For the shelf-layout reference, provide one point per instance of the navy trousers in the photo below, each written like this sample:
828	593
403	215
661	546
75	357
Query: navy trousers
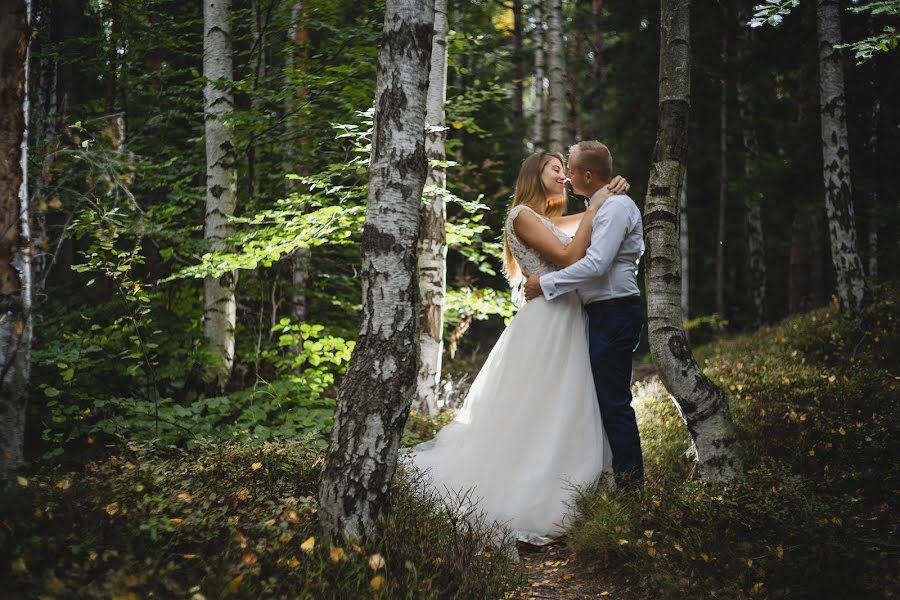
614	332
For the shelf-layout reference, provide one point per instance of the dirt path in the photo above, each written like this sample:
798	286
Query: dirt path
555	574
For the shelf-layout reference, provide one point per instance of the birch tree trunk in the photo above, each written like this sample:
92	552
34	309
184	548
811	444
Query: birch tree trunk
537	134
518	61
597	45
701	403
375	396
753	225
433	234
15	238
220	309
557	77
851	285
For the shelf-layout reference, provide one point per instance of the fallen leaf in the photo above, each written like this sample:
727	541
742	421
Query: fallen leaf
377	582
336	554
376	562
293	562
185	496
309	545
236	583
112	508
63	485
248	559
651	551
23	482
256	466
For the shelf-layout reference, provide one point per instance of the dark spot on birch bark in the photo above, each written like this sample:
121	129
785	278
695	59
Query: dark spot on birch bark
374	239
216	192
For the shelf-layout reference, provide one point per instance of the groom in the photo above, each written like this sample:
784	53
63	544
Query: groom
606	281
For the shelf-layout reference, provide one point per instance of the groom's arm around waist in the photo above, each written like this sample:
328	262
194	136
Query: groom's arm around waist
611	224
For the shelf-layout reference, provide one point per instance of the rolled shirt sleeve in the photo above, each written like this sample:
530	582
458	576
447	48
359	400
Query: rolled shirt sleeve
610	226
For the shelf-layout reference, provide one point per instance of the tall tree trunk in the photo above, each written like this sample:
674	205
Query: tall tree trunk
873	195
597	44
220	309
684	247
816	292
851	285
701	403
557	77
723	179
518	62
374	400
15	238
433	234
259	27
540	120
753	225
298	58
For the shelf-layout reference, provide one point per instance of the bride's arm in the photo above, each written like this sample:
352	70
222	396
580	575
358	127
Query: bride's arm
569	223
536	235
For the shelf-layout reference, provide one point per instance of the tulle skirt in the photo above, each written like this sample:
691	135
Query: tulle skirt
529	433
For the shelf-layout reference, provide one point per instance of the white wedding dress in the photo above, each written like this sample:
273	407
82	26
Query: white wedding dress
529	432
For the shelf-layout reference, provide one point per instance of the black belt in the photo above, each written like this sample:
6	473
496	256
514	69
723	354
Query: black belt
623	301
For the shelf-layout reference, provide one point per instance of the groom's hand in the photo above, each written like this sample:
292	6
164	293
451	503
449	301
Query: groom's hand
532	286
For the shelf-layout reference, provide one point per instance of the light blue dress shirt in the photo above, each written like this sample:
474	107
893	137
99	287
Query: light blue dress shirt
609	269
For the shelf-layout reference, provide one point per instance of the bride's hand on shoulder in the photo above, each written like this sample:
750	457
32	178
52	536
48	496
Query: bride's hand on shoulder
618	185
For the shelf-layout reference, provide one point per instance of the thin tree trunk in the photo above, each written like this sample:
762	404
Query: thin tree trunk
851	285
684	247
220	309
301	257
259	27
753	225
539	126
701	403
816	293
797	262
723	180
597	43
873	196
518	62
433	234
15	238
375	395
557	77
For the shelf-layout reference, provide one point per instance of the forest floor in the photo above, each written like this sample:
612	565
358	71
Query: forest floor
815	405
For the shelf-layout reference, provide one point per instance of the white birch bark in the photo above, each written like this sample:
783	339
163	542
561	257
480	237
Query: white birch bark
219	314
538	127
433	233
15	238
701	403
851	285
375	395
556	109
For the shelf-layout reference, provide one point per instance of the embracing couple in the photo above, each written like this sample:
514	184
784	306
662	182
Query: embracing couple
550	411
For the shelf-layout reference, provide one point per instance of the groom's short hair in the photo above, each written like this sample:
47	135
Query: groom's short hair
594	156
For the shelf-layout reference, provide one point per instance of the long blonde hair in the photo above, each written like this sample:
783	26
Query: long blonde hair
531	192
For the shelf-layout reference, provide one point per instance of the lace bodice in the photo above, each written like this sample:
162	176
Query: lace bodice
528	259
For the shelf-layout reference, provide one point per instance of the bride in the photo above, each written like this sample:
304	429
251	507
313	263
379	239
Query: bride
529	432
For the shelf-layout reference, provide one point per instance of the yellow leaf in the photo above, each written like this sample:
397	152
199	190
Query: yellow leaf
112	508
377	582
286	537
704	556
648	533
757	588
457	124
134	447
376	562
837	520
779	551
139	487
293	562
842	431
678	547
18	566
651	551
236	583
248	559
23	482
623	542
185	496
190	556
567	576
655	503
63	485
256	466
336	554
175	522
309	545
